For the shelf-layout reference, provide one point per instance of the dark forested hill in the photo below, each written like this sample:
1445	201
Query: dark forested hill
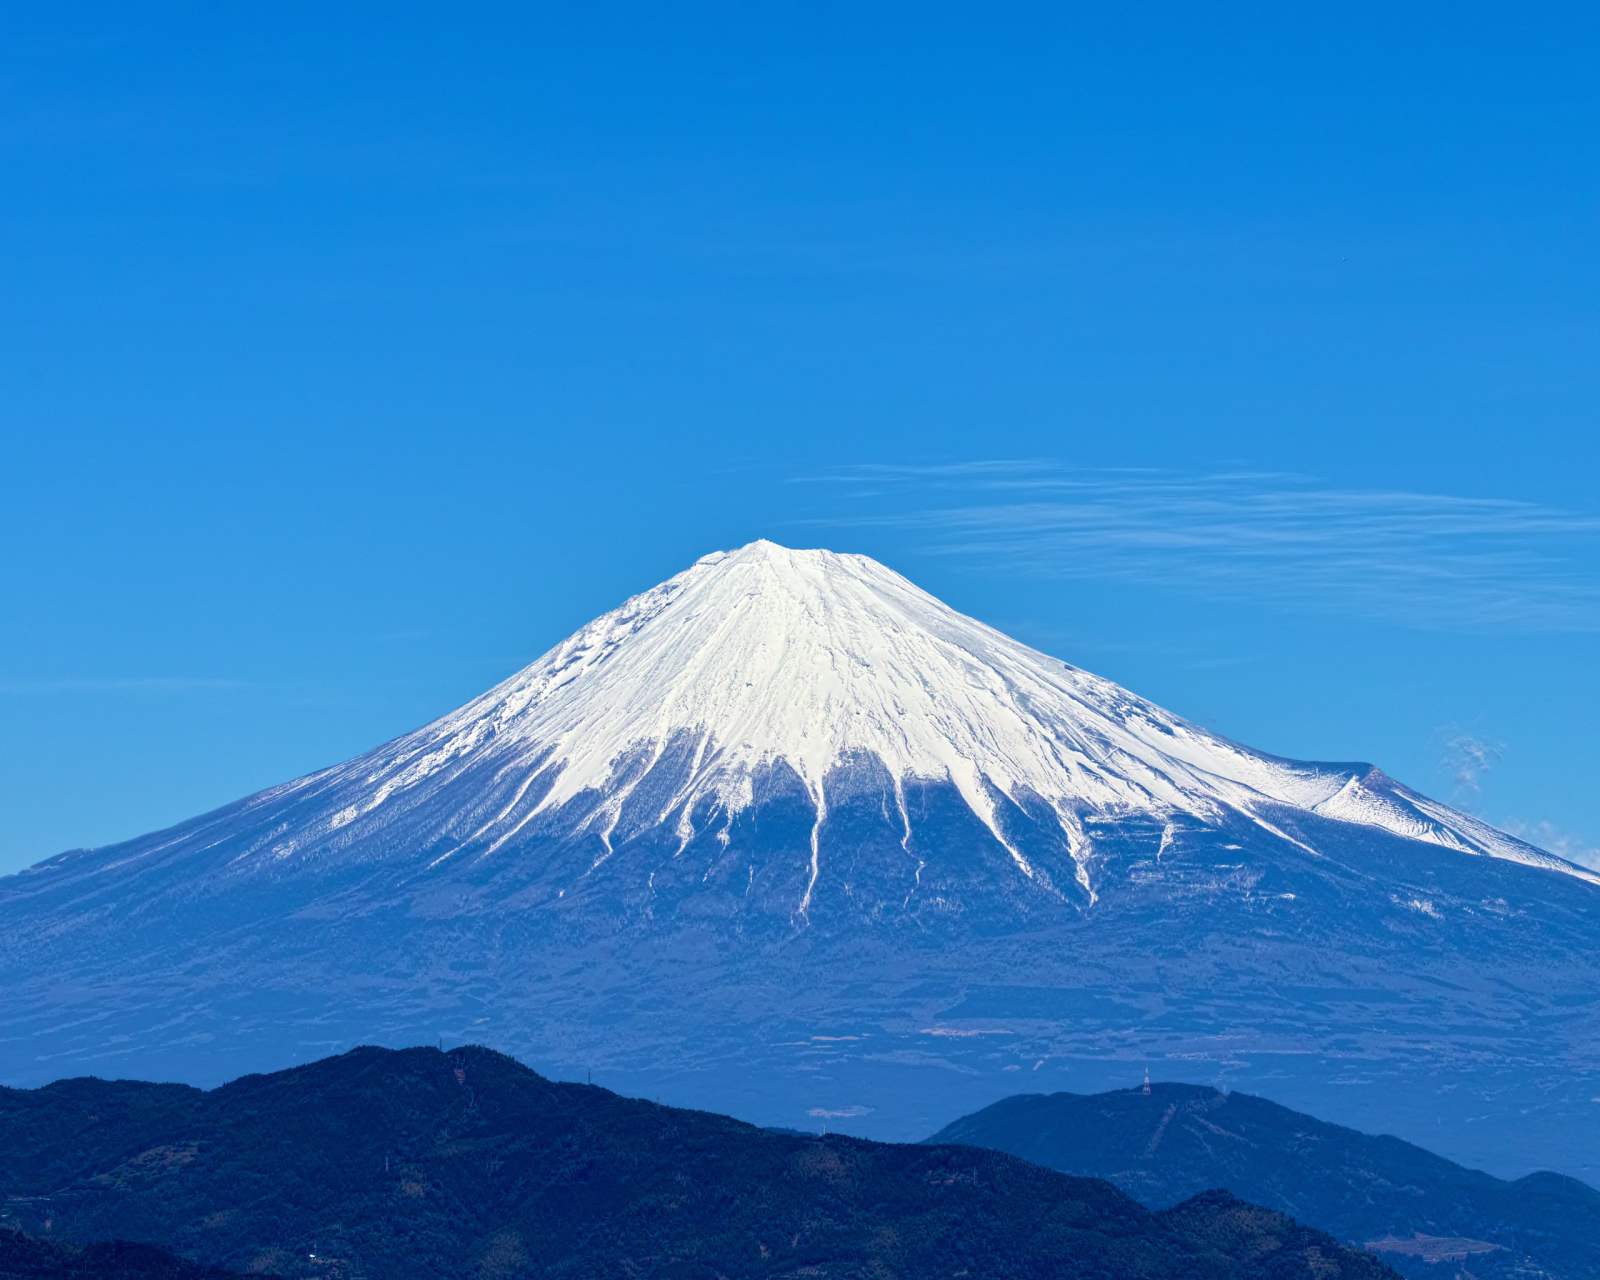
413	1163
1167	1145
29	1258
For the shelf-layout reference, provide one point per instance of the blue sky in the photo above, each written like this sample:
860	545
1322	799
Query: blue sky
350	356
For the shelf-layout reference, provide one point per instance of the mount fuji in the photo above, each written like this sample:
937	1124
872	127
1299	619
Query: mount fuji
787	837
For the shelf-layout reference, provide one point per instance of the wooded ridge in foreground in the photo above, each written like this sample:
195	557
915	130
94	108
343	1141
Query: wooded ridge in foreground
1164	1146
414	1163
30	1258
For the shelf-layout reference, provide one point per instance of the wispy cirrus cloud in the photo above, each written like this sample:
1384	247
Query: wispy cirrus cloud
1466	761
1431	560
1561	843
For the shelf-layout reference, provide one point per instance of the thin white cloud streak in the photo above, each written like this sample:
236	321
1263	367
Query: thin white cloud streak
1550	837
1430	560
146	684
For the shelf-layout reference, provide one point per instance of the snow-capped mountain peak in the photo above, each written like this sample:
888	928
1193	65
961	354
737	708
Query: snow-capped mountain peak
812	659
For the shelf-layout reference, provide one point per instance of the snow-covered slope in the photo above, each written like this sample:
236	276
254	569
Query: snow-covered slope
814	659
787	829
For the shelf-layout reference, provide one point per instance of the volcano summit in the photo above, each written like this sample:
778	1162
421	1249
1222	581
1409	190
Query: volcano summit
788	837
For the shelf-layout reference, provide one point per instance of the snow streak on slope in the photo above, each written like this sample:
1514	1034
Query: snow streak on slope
814	659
